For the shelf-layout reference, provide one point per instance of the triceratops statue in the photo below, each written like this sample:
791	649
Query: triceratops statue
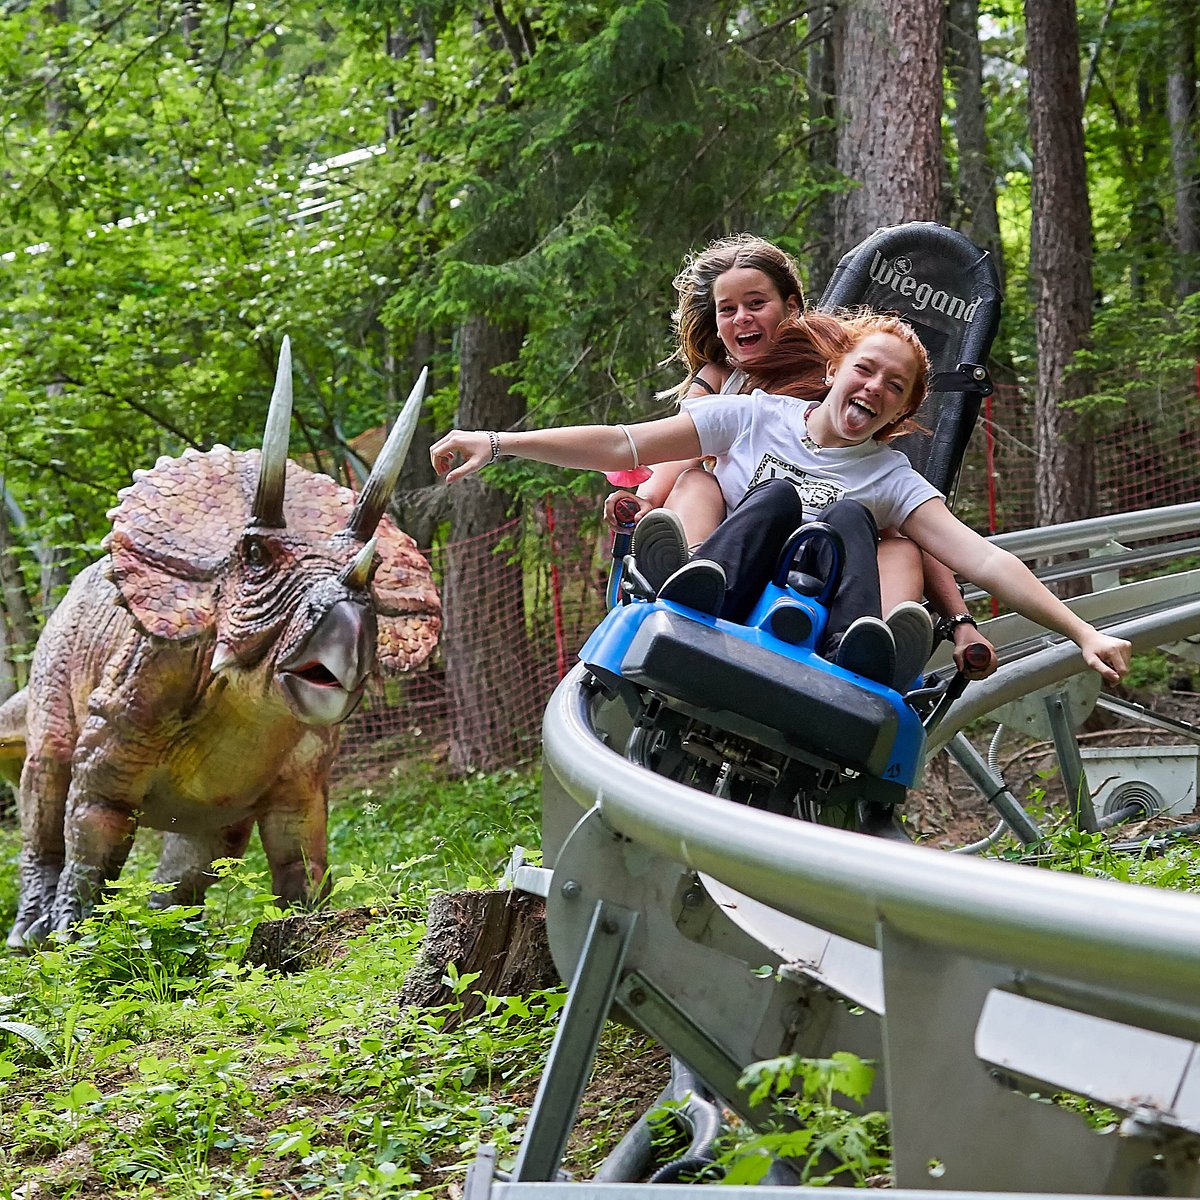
193	679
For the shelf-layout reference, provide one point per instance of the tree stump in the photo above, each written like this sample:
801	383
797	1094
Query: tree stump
500	934
304	940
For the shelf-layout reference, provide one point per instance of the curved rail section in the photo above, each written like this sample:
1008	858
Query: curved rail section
980	988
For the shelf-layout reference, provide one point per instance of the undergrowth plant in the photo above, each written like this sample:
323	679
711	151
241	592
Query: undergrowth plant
145	1057
822	1141
1161	861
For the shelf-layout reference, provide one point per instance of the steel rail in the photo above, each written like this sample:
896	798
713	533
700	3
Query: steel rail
1044	668
1100	531
1093	932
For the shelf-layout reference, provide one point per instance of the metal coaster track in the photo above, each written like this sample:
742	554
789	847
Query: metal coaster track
978	986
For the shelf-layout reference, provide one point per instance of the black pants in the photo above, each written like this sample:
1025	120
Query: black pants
747	544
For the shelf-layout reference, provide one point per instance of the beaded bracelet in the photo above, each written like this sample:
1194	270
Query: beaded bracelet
947	625
494	438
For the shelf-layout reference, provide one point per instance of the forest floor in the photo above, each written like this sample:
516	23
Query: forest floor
947	810
123	1076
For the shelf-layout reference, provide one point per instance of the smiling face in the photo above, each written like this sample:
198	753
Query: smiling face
749	308
872	388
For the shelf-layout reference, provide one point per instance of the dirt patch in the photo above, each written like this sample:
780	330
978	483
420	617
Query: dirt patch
947	810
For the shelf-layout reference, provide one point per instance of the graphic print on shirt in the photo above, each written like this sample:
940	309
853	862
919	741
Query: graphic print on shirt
816	492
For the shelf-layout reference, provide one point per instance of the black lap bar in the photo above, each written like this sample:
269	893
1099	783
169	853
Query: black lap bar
745	686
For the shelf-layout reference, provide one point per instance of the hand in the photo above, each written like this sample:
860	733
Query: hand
968	635
643	507
1109	656
474	448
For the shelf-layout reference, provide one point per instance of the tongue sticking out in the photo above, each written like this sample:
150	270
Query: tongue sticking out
858	418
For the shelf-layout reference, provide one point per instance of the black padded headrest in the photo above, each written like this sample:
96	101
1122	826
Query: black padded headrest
947	289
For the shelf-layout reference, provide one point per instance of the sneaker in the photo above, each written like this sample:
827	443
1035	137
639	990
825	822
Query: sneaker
912	631
867	648
659	546
699	584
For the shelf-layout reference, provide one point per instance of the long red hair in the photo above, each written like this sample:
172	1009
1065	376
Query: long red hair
805	345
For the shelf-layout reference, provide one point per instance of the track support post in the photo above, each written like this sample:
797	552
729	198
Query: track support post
1058	711
569	1065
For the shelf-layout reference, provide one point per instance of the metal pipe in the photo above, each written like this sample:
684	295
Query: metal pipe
1099	531
1050	666
1086	930
984	843
994	790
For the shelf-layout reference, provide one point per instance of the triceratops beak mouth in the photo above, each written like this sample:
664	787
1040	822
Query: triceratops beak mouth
323	678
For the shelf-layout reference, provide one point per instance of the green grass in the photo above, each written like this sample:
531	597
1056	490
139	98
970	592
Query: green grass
145	1060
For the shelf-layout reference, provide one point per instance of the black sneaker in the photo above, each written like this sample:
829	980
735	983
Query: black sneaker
912	631
659	546
699	584
867	648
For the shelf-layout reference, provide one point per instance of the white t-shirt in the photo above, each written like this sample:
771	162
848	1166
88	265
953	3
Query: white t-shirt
762	436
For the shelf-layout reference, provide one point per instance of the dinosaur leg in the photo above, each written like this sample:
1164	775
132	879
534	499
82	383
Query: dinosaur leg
99	834
42	800
185	868
293	838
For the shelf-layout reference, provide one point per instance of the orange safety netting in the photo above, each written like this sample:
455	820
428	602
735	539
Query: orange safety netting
559	554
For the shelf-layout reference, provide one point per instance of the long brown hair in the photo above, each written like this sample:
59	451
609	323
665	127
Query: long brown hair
695	317
805	345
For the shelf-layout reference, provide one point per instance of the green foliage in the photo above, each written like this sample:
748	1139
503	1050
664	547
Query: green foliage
186	183
146	1049
809	1127
447	833
1164	861
1141	350
157	168
1153	671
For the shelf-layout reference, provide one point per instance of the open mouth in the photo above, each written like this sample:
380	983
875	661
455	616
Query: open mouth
746	340
316	673
322	679
863	406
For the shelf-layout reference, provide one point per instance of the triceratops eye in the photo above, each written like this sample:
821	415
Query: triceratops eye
255	552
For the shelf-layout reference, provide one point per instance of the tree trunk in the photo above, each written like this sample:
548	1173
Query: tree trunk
483	641
1146	232
22	632
976	178
1181	109
420	502
302	941
8	669
1061	261
54	579
416	507
890	93
55	12
824	249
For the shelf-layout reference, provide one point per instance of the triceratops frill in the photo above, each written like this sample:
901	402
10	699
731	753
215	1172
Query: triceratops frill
192	680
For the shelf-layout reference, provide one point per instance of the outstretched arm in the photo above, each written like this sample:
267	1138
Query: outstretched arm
935	529
942	590
654	492
592	447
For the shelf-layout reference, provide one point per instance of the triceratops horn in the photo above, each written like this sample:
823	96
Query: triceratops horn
378	488
272	471
357	574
